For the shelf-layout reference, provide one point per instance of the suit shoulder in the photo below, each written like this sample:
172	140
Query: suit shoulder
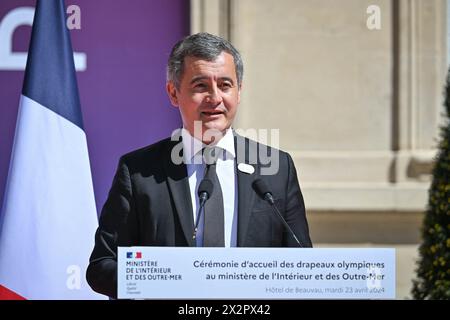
149	154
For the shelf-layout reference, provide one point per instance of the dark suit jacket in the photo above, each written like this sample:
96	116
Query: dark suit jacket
149	204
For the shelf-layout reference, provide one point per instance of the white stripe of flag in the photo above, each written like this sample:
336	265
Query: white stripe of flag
48	217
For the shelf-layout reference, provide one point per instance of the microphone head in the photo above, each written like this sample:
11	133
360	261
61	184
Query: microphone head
206	186
261	188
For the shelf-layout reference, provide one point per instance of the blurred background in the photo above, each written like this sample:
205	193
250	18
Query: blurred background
354	86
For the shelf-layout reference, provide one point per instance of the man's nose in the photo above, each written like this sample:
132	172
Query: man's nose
214	96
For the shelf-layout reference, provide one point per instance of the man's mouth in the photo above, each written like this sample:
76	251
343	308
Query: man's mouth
211	113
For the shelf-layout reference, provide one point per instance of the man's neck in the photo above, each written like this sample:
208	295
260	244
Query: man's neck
192	145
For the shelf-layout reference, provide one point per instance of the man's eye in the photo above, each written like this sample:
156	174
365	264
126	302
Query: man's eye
200	85
226	85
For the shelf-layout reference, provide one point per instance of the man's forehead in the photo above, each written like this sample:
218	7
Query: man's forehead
197	66
222	59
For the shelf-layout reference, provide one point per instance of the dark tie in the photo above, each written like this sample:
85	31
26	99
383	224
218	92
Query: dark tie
213	230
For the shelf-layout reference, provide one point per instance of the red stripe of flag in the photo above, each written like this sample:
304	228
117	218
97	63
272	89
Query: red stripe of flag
6	294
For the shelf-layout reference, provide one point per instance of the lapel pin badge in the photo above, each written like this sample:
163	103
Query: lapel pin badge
246	168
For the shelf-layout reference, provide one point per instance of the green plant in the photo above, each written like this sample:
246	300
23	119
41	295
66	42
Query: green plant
433	272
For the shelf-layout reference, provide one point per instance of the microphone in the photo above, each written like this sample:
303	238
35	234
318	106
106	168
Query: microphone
204	191
262	189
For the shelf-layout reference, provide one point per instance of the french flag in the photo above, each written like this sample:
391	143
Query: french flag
48	217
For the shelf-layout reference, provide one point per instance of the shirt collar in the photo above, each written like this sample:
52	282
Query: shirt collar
192	146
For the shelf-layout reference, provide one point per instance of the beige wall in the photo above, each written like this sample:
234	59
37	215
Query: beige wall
358	109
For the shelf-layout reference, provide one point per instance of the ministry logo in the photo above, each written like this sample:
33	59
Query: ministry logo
138	255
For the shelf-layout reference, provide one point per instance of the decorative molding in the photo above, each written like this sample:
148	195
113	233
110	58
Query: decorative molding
365	197
349	181
420	69
364	166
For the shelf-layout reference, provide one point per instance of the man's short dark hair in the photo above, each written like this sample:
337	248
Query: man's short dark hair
201	45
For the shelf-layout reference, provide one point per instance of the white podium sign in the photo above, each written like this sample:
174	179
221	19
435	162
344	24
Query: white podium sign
255	273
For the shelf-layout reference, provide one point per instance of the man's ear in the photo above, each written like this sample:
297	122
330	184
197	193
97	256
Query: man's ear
172	93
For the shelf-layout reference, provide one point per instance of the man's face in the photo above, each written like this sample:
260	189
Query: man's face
208	92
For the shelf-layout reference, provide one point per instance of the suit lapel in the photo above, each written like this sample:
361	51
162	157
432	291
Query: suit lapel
179	187
246	194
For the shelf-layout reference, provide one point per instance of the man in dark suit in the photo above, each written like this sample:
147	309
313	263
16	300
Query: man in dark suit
153	200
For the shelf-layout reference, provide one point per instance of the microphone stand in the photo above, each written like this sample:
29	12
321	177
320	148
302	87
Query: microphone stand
206	188
202	200
269	198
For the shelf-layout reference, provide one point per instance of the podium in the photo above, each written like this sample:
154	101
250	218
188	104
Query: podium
255	273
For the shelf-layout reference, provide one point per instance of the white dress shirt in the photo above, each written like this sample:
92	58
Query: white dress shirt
226	172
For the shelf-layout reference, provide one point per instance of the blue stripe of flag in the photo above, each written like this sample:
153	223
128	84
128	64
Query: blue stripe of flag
50	73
